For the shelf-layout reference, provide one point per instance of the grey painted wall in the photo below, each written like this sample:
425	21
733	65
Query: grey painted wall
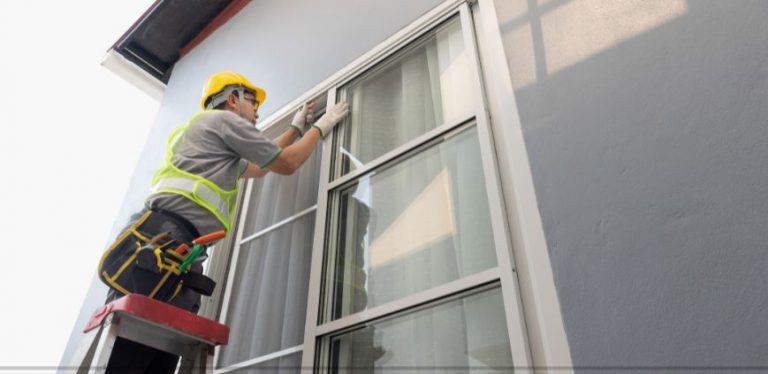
645	124
286	47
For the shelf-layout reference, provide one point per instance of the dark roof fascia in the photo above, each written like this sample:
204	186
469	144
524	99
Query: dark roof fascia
169	29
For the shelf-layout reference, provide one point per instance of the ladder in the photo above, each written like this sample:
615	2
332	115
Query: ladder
153	323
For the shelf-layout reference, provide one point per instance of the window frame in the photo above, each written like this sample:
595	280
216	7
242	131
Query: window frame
272	128
336	189
504	274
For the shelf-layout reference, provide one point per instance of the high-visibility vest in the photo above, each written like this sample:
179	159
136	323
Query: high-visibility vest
171	179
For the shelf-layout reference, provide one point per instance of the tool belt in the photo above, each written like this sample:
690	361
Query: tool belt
147	258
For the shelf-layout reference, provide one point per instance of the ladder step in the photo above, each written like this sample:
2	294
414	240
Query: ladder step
153	323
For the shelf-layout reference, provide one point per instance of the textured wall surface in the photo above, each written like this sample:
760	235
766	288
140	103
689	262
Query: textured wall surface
286	47
645	124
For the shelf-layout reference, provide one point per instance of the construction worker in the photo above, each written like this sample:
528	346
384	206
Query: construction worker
194	192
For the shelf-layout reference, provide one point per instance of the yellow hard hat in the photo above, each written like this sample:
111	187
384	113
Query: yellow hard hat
218	81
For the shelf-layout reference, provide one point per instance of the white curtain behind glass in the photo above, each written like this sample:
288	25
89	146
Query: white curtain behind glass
422	90
269	297
276	197
267	306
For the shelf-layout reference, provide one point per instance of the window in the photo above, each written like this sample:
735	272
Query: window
386	250
463	334
269	297
417	90
410	275
266	296
417	224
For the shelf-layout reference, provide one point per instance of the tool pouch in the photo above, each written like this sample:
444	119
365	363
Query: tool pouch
160	274
138	264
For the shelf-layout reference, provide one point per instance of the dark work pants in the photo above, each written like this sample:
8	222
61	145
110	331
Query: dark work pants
131	357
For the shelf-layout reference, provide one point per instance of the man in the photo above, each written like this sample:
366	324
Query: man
194	194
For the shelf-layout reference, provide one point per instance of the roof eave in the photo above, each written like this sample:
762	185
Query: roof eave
133	74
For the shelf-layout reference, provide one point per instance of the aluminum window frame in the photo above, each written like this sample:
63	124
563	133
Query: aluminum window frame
387	161
325	225
548	342
492	283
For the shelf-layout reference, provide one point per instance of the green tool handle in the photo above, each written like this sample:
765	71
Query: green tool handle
196	251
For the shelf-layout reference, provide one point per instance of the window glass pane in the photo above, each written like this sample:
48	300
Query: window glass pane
282	365
403	99
267	307
276	197
464	335
419	224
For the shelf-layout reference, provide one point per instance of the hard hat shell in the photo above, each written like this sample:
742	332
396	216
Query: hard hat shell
217	81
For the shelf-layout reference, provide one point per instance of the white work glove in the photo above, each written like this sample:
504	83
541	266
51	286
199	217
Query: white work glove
302	117
331	118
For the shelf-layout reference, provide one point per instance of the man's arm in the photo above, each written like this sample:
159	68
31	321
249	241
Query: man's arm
287	137
254	171
295	154
298	125
292	156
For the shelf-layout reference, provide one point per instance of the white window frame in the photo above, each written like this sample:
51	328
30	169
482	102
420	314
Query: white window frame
503	273
544	321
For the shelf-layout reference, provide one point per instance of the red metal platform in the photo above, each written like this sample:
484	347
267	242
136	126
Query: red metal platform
164	315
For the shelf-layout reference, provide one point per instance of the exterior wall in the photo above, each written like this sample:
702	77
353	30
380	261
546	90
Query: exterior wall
269	43
644	123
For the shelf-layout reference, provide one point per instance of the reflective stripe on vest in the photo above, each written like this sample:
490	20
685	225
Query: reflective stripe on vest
203	192
197	189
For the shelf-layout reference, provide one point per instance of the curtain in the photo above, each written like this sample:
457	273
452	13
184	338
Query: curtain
267	306
276	197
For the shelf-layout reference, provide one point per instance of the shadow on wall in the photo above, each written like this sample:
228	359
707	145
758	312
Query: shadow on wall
644	122
553	35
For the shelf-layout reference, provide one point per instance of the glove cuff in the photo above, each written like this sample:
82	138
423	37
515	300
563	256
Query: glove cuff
320	129
299	129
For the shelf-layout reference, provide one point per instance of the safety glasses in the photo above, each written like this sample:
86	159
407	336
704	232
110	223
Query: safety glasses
253	101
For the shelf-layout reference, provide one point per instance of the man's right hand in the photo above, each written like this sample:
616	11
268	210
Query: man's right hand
295	154
331	118
303	117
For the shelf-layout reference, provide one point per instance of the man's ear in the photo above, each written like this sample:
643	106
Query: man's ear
233	101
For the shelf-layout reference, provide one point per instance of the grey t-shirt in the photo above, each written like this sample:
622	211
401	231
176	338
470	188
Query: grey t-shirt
217	146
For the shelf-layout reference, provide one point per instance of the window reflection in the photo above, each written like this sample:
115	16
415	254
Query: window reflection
418	224
427	220
397	102
464	335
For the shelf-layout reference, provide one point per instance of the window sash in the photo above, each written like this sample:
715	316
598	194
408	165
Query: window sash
467	262
276	273
428	87
504	273
458	302
331	163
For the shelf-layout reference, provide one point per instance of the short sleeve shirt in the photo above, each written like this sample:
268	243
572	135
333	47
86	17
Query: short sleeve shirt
217	146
